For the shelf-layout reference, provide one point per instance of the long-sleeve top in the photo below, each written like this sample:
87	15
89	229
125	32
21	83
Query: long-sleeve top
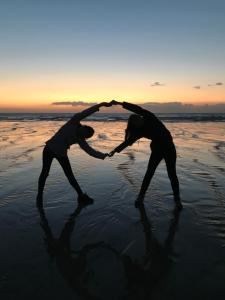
67	136
152	129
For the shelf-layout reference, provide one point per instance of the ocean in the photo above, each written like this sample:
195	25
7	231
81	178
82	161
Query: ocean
169	117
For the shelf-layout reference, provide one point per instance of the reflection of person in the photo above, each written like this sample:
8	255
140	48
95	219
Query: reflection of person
144	276
71	264
145	124
56	147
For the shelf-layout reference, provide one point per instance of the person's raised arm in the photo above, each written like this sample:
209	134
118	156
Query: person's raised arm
134	108
89	111
92	152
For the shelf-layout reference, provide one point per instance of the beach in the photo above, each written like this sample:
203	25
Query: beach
111	249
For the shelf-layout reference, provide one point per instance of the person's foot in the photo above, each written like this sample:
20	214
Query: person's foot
178	202
39	200
84	199
139	201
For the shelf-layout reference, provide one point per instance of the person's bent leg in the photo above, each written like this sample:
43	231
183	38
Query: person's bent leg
170	160
65	164
47	158
154	161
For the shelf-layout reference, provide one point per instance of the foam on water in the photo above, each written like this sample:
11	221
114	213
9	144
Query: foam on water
113	117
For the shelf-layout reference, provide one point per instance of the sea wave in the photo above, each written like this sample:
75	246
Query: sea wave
112	117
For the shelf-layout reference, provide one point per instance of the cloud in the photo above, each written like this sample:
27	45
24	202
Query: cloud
155	107
74	103
216	84
197	87
157	84
179	107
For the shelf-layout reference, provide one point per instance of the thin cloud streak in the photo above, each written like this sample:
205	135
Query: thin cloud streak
156	83
216	84
74	103
155	107
179	107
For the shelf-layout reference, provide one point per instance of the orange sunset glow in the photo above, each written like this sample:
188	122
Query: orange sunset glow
38	94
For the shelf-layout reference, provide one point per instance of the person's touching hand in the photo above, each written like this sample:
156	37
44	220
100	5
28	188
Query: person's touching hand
114	102
111	153
106	154
108	104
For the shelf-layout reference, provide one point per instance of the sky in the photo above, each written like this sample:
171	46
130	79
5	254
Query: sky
98	50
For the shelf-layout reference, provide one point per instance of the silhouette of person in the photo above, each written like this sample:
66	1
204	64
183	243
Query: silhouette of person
56	147
145	124
72	265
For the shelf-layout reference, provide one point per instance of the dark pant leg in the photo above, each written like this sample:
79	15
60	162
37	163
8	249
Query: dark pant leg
154	161
65	164
170	159
47	158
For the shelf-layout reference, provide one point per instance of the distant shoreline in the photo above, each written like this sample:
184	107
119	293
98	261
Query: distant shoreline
113	117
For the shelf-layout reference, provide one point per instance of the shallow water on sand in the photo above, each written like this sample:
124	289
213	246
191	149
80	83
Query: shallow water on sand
112	250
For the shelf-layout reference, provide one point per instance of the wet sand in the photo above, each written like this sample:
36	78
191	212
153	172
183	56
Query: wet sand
112	250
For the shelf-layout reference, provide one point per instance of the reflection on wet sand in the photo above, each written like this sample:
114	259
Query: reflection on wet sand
114	184
145	275
125	167
71	264
142	275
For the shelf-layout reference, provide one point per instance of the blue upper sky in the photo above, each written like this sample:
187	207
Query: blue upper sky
182	39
